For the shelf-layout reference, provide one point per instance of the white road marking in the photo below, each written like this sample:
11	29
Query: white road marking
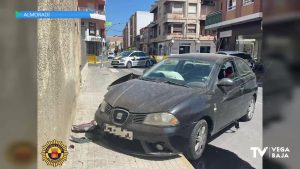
114	70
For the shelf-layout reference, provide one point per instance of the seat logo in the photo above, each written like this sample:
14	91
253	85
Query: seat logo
119	116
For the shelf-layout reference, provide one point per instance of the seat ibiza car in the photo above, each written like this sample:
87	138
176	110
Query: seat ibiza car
179	103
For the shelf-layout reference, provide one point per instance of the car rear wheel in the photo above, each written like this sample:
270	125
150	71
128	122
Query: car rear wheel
147	64
250	111
129	65
197	141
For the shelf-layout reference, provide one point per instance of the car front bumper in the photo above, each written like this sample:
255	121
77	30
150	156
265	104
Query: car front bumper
117	63
173	140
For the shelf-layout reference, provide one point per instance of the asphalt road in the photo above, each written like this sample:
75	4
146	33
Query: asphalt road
231	149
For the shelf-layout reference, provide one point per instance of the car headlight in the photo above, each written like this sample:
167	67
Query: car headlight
103	106
161	119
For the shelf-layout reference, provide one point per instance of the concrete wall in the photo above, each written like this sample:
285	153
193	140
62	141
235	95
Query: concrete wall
59	58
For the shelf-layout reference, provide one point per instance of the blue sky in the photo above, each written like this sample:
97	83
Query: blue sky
119	11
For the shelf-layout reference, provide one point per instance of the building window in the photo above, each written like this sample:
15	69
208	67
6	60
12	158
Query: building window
247	2
231	4
169	27
158	30
177	28
92	28
191	28
82	23
192	8
177	8
204	49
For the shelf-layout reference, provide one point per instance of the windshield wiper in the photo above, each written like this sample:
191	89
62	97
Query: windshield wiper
177	84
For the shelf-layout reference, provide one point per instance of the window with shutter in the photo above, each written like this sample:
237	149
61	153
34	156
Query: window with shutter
192	9
191	28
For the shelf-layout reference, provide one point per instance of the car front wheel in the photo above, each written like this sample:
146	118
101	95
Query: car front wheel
197	141
250	111
129	65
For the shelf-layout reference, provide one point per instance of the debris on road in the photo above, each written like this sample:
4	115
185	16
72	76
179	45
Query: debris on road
83	128
80	140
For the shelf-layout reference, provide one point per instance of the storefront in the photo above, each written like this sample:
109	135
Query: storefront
186	46
246	37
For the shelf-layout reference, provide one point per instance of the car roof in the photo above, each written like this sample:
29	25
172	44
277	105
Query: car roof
210	57
230	52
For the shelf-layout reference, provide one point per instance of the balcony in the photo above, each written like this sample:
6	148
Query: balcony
174	16
213	18
99	14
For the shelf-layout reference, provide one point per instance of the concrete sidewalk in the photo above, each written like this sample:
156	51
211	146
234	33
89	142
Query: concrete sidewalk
92	155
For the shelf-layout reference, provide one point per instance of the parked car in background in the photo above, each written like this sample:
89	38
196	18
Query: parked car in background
243	55
110	55
130	59
179	103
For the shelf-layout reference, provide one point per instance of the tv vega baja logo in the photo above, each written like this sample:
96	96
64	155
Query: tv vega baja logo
273	152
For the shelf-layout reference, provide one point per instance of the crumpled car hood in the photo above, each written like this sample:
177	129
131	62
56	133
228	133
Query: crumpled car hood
140	96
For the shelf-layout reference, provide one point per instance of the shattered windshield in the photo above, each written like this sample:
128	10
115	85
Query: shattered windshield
183	72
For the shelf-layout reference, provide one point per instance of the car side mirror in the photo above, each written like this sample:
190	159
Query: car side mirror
225	82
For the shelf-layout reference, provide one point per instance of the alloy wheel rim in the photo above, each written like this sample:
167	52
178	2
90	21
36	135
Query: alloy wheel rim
200	138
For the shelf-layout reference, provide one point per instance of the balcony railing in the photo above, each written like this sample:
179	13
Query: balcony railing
213	18
100	12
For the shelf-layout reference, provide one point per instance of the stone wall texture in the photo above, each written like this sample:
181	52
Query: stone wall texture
58	71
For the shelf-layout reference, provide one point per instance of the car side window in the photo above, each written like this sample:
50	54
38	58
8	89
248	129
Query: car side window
243	67
134	54
228	70
142	54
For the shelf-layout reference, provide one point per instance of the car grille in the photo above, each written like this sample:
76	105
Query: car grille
119	116
136	117
139	117
108	108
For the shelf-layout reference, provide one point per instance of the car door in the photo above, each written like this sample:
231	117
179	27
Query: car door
227	98
249	85
134	58
142	59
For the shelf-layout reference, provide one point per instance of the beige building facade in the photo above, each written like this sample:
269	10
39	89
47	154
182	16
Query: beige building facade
176	28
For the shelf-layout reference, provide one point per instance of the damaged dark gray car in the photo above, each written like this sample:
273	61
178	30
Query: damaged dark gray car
179	103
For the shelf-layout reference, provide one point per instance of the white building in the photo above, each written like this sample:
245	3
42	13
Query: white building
138	20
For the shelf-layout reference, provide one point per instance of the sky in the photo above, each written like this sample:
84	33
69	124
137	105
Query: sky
119	11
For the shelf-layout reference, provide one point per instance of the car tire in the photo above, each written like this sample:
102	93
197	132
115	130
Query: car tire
197	141
250	110
147	64
115	66
129	65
